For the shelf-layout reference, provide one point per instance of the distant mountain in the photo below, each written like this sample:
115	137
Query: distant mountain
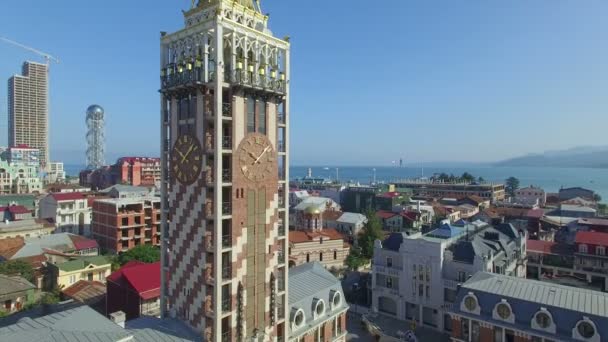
584	156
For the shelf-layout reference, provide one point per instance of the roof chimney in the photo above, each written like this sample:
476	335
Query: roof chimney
119	318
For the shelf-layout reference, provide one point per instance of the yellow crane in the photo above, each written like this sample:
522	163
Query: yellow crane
47	57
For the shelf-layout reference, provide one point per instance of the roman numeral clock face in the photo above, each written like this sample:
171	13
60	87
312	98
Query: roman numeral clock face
256	157
186	159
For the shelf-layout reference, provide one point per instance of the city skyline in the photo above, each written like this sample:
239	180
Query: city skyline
526	68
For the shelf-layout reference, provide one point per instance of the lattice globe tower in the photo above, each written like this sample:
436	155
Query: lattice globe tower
95	137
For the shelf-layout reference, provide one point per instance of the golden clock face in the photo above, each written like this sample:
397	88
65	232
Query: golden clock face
256	157
186	158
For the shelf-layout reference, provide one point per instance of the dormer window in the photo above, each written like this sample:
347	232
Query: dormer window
582	248
600	250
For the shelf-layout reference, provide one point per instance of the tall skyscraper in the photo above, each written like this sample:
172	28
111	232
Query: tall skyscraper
225	143
28	111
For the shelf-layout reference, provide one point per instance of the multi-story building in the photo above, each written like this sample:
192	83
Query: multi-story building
56	173
325	246
28	110
494	307
415	277
22	154
531	195
493	192
69	210
359	199
570	193
67	273
138	171
120	224
225	142
26	228
19	178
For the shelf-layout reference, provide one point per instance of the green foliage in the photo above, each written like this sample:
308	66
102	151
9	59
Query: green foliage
143	253
17	268
50	298
451	178
372	231
355	259
467	177
3	313
602	209
511	185
597	198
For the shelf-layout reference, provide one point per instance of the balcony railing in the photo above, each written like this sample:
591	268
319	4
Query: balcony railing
226	241
281	118
227	272
227	109
227	142
281	284
281	257
175	76
281	146
226	208
252	79
281	229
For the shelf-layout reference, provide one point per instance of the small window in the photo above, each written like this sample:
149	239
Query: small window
600	250
504	311
470	303
543	320
335	255
321	256
389	282
585	329
389	262
582	248
307	257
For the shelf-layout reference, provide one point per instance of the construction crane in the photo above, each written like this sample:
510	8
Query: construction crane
48	58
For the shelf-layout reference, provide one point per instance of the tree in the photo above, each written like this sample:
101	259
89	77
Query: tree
18	268
143	253
372	231
50	298
597	198
467	177
480	180
354	260
512	184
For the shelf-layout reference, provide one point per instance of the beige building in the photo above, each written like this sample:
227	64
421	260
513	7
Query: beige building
326	246
25	228
91	268
28	109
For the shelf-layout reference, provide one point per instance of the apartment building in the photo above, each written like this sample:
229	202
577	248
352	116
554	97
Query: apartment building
531	195
326	246
415	277
19	178
28	96
490	191
69	210
119	224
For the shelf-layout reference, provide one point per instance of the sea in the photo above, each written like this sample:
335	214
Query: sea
549	178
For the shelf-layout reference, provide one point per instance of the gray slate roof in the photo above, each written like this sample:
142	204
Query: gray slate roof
308	282
83	324
352	218
34	246
567	305
582	300
10	285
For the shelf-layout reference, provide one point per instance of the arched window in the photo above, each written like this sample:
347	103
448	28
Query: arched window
335	255
307	257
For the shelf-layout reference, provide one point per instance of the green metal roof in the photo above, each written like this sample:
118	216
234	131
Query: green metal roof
81	263
24	200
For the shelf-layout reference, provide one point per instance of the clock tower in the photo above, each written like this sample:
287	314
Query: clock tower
224	128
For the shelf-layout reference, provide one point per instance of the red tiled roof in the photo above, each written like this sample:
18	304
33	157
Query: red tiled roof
81	242
68	196
85	290
10	246
593	221
392	194
130	160
410	215
383	214
300	236
592	238
142	277
540	246
16	209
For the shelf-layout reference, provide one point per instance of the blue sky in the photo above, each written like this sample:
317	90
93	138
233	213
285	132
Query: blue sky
371	81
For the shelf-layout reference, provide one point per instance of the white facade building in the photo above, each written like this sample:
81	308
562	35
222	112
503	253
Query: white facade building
415	277
70	212
531	195
56	173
